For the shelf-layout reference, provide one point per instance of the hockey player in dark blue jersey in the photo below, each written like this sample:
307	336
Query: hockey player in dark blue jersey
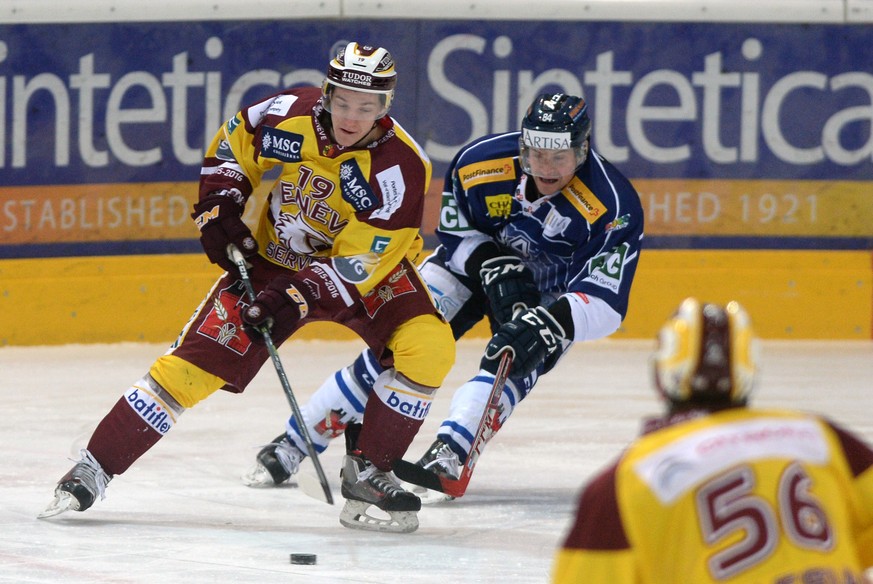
539	234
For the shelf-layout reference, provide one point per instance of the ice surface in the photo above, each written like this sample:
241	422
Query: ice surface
181	513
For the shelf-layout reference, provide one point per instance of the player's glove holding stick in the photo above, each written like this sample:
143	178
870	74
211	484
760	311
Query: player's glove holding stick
509	286
219	219
277	308
531	336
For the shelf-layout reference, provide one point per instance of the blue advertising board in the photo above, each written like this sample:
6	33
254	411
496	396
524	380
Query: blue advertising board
735	135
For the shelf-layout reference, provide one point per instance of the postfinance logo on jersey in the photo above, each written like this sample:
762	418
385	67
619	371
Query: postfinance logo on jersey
488	171
584	200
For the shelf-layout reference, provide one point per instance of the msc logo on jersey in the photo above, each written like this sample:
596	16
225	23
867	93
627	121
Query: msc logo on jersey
281	145
355	188
498	205
485	172
584	200
607	268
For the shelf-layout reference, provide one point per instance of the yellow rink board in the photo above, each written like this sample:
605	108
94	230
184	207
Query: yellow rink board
790	295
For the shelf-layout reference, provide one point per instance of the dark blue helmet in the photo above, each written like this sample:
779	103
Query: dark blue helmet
555	121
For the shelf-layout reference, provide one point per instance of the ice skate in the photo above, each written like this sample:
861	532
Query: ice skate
442	460
375	501
79	488
275	464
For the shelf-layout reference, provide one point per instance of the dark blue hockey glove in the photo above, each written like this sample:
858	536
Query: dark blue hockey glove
531	336
509	285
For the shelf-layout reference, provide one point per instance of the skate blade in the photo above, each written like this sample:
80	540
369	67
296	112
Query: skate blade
62	502
427	496
258	477
361	515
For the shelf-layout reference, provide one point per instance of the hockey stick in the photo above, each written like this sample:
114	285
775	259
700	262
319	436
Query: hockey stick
417	475
237	258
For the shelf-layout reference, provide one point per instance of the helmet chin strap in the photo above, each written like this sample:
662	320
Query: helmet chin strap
364	139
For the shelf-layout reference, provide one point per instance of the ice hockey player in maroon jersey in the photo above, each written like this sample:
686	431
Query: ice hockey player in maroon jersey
337	241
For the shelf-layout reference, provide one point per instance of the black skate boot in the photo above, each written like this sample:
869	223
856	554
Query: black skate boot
79	488
364	487
275	464
442	460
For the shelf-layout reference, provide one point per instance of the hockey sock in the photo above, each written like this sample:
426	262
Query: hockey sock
340	400
134	424
468	403
392	420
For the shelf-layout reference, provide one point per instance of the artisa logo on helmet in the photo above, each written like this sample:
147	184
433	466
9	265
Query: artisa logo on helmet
547	140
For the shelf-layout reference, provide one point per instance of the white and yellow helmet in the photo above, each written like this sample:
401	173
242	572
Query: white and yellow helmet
362	68
707	356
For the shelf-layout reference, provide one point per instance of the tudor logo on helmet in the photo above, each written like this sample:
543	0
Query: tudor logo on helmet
361	68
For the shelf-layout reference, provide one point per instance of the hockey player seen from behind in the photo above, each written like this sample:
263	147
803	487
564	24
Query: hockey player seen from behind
715	491
539	234
336	241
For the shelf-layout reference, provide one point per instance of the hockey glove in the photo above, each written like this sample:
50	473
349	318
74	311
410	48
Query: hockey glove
509	285
531	336
277	309
219	219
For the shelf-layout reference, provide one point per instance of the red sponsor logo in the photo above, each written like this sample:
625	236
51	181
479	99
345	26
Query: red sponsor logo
223	324
396	284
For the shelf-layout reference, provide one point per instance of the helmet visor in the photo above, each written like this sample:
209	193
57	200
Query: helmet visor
350	104
551	163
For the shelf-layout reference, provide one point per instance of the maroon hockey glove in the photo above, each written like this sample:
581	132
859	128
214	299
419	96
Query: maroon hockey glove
531	336
277	309
509	285
219	219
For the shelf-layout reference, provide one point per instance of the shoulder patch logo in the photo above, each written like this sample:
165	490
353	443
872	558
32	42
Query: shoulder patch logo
281	105
224	152
451	218
393	190
584	200
232	125
618	223
281	145
353	269
485	172
355	188
498	205
607	268
380	244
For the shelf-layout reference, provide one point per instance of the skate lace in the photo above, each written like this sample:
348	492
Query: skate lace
89	471
446	459
383	481
289	456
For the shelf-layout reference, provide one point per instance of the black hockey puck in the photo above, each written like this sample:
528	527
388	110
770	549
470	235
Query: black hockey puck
303	559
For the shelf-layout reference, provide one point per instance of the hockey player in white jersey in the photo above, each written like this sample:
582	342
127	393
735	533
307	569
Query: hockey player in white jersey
539	234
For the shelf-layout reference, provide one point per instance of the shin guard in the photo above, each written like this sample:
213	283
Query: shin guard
392	420
134	424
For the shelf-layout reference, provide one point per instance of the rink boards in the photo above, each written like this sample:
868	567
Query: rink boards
790	294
